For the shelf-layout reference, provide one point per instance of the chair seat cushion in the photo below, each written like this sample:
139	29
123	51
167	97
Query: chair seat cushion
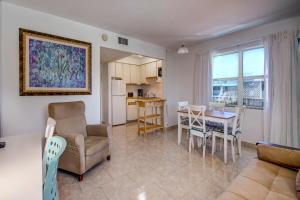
95	144
220	128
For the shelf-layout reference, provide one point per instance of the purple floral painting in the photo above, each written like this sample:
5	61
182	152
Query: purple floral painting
56	65
53	65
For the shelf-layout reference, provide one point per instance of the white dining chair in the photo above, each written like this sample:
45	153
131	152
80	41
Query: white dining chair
216	106
234	133
197	127
183	122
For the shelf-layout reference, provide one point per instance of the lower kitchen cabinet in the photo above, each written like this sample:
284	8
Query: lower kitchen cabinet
132	110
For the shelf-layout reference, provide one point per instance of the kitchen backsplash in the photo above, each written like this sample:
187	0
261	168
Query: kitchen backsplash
153	88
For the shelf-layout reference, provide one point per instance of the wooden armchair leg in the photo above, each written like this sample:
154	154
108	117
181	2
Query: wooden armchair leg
80	177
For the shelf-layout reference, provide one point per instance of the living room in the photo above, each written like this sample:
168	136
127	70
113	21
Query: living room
230	82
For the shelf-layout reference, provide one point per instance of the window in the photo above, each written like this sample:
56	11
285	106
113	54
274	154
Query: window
238	78
225	78
253	74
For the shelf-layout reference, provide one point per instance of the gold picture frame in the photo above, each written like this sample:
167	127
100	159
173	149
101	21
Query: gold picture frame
53	65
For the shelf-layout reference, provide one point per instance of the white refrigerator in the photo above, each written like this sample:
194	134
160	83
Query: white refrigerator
118	91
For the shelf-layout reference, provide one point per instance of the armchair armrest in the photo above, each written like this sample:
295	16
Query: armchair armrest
97	130
74	155
288	157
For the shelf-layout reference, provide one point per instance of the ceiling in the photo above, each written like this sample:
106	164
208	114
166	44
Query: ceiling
108	55
169	22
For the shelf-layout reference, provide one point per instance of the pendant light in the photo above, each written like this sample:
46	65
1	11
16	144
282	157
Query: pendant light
183	50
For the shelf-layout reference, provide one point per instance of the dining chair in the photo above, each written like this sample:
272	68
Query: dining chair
218	106
197	126
234	133
183	121
49	129
55	149
48	134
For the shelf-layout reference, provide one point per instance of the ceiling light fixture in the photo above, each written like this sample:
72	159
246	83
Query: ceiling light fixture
183	50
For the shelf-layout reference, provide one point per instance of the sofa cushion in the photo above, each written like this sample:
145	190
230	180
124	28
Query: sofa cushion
262	172
263	181
95	144
298	184
277	196
248	188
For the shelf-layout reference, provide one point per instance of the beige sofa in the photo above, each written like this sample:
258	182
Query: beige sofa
271	176
87	145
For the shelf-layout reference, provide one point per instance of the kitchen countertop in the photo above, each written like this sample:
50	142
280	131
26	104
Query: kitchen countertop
147	98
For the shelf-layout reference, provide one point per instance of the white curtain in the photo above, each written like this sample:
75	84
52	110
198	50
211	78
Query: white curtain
281	112
202	79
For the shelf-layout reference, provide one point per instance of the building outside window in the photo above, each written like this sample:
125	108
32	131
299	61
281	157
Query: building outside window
238	78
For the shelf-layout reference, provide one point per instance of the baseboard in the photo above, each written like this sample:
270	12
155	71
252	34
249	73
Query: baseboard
249	145
171	127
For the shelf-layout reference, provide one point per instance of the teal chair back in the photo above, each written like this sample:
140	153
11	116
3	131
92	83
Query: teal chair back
55	147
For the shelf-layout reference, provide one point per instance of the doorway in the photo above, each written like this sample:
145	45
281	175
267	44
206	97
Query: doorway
125	77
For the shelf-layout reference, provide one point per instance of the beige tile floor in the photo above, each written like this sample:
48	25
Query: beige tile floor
154	168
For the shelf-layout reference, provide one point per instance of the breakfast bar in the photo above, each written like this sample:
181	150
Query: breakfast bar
150	115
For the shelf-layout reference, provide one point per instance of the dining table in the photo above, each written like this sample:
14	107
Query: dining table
213	116
21	167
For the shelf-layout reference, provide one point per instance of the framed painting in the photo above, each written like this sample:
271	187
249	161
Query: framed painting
53	65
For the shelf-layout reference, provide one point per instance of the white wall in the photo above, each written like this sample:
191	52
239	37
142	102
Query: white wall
179	83
180	68
25	115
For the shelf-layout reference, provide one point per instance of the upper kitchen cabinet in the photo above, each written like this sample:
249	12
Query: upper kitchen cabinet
159	63
116	70
119	70
142	69
151	69
126	73
134	74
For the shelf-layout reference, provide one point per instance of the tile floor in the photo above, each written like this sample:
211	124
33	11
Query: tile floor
154	168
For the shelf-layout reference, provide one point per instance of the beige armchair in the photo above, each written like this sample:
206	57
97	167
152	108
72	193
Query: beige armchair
87	145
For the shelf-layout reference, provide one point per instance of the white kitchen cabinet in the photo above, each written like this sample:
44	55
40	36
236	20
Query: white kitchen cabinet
143	79
151	69
119	70
115	69
126	73
134	75
159	63
132	110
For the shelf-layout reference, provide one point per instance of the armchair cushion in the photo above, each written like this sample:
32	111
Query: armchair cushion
284	156
69	117
95	144
74	124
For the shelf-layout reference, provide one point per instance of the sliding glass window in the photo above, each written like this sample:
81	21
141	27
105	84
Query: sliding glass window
238	78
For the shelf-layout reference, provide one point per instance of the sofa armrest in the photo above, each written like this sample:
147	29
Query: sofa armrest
97	130
288	157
